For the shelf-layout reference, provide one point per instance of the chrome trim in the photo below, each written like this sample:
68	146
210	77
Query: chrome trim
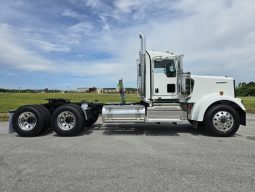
84	107
66	120
143	43
27	121
123	113
223	121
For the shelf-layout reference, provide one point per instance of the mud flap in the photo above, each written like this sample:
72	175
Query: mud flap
11	129
195	124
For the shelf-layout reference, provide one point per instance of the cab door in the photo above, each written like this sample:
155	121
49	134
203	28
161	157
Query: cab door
164	79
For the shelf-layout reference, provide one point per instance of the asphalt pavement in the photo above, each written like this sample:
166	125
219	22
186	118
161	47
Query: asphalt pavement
129	158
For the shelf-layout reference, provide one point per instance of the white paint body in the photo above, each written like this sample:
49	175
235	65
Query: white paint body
207	90
157	80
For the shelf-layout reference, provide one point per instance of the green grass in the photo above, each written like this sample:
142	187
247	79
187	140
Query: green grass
10	101
249	103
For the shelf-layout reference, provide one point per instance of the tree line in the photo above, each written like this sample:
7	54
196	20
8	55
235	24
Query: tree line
29	90
245	89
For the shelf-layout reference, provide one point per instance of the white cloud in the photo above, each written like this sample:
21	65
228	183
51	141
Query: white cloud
70	13
94	3
105	24
82	28
216	37
17	57
94	69
50	47
126	6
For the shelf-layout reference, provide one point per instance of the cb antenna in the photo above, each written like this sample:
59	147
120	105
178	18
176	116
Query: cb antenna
181	34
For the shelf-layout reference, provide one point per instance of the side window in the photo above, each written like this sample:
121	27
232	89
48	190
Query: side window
159	67
170	69
165	66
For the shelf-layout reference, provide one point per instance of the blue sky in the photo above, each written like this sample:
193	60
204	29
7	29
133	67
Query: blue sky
62	44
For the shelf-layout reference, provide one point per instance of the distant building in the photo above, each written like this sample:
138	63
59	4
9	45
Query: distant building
92	89
100	90
109	90
103	90
83	90
131	90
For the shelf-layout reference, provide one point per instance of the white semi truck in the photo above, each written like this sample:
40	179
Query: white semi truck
168	95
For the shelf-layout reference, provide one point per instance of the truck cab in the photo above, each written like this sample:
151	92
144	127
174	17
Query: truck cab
160	76
207	101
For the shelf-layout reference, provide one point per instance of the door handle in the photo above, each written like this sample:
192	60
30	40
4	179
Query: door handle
156	90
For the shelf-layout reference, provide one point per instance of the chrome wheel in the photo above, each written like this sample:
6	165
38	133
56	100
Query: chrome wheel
66	120
223	121
27	121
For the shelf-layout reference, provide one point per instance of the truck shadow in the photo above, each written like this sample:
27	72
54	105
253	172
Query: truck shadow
136	129
148	129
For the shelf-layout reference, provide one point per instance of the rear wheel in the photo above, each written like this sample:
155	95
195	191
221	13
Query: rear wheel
68	120
28	121
222	120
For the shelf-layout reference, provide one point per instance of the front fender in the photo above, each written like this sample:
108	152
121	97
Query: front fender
200	107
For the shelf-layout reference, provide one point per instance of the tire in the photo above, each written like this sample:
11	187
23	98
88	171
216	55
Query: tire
222	120
46	114
89	122
68	120
28	121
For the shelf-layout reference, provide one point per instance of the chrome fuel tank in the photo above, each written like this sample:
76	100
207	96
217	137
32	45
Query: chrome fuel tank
123	113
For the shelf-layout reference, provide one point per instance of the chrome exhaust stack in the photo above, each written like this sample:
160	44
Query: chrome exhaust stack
143	43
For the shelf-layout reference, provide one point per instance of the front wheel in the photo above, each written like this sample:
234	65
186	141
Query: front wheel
222	120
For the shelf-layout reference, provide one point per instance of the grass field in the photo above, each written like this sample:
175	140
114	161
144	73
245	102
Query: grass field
14	100
10	101
249	103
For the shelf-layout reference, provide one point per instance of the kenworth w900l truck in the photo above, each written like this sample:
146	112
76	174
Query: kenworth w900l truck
168	95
